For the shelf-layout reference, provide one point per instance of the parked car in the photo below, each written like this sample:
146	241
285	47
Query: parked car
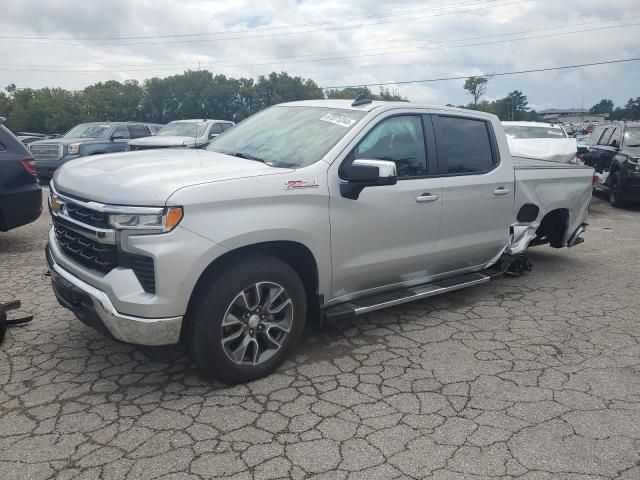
543	141
614	152
84	140
320	208
183	133
20	195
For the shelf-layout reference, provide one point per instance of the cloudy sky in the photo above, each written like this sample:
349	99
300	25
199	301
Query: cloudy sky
73	43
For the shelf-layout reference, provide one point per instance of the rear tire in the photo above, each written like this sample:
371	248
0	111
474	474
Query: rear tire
615	196
246	318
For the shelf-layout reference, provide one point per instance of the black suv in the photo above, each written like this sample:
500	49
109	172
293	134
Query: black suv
83	140
20	195
614	149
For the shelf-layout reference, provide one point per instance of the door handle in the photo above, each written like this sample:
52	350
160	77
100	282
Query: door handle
427	197
502	191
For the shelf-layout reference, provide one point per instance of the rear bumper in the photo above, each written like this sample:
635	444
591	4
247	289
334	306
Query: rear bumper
20	208
93	308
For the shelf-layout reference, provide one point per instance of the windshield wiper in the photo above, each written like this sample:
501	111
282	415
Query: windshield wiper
249	157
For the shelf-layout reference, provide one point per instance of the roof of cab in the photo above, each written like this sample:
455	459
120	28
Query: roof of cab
367	107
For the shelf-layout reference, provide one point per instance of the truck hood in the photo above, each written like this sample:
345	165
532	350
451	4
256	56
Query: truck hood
69	141
167	141
553	149
149	178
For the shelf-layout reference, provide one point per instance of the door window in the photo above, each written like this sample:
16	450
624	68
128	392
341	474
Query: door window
120	132
397	139
464	145
614	141
138	131
606	136
226	126
216	129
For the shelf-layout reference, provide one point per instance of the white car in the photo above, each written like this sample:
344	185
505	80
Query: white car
544	141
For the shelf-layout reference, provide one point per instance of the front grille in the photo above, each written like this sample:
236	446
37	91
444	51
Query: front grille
87	216
87	252
103	257
46	151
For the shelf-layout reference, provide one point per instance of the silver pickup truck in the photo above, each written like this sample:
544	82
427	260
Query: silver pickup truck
324	209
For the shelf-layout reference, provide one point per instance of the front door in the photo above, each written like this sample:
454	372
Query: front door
388	237
477	191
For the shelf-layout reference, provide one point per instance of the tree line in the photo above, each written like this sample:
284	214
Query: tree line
515	105
631	111
192	94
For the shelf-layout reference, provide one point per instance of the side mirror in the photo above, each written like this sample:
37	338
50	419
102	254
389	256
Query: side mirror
614	144
213	135
367	173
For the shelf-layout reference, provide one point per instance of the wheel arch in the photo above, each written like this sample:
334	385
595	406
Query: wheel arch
297	255
554	226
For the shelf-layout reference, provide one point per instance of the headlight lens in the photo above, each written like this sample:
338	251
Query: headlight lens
164	222
634	163
73	149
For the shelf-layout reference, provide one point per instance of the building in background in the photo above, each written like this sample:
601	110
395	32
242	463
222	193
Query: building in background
572	115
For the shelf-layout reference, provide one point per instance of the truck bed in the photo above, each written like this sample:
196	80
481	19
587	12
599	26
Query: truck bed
526	163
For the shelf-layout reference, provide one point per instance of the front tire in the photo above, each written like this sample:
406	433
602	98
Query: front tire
246	319
615	196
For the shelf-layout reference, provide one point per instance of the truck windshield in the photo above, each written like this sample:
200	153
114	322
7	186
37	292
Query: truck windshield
522	132
287	136
632	137
88	130
183	129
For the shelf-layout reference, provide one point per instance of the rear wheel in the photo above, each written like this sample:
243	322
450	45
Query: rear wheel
246	319
615	195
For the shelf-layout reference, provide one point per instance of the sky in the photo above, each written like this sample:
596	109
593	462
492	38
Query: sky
74	43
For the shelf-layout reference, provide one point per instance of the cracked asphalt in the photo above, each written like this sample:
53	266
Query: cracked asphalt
535	377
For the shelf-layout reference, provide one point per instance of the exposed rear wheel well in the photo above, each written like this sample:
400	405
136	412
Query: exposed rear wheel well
554	227
294	254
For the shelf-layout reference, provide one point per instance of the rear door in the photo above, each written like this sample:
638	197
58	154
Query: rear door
477	190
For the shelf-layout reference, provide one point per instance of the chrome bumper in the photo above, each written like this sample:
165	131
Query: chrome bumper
94	308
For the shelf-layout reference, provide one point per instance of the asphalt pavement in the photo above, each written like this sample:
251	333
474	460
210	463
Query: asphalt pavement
536	377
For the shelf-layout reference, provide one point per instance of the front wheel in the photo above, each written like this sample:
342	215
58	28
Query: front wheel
246	319
615	196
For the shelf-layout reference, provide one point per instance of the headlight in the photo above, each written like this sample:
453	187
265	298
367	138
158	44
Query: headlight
634	163
154	223
73	148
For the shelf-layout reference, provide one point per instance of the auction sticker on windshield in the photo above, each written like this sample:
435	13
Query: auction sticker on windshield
341	120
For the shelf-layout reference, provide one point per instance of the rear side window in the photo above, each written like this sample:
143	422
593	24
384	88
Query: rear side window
464	145
137	131
216	128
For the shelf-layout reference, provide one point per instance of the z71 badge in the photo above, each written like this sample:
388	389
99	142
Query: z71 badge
297	184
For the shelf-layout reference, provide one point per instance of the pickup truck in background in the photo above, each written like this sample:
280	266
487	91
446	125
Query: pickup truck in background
183	134
322	208
613	150
84	140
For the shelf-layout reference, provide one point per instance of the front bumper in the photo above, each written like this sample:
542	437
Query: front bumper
94	308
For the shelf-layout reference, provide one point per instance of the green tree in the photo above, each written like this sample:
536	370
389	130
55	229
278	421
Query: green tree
603	106
477	87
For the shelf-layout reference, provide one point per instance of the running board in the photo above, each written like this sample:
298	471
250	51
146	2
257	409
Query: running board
398	297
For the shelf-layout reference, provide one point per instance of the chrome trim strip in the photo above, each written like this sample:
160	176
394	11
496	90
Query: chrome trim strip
99	235
418	296
136	330
107	208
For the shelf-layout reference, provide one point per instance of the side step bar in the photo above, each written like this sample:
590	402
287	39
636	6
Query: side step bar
397	297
